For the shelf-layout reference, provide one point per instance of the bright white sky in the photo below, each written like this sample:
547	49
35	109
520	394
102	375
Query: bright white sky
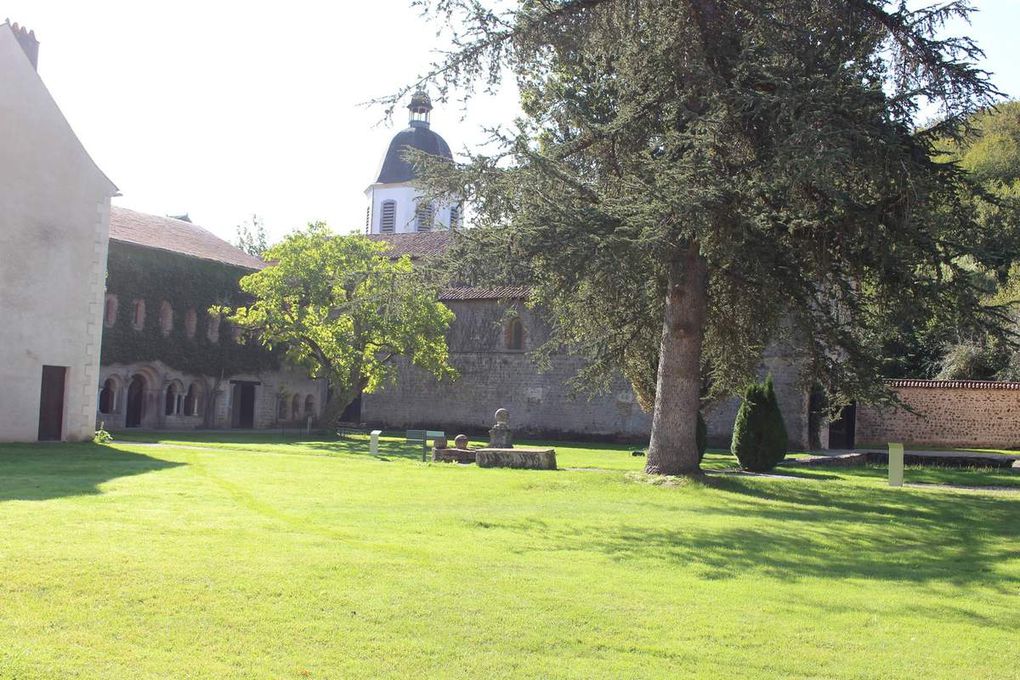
225	108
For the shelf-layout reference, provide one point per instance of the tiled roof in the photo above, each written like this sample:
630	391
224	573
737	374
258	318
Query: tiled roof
494	293
417	245
177	236
955	384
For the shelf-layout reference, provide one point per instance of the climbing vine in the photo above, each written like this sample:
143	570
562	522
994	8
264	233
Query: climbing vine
136	273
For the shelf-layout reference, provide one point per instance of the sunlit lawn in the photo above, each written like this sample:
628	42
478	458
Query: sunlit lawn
219	556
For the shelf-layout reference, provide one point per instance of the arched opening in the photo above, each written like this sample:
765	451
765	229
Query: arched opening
191	400
135	402
309	406
190	323
166	318
454	217
295	407
171	403
138	319
283	408
213	330
110	311
388	217
108	397
515	335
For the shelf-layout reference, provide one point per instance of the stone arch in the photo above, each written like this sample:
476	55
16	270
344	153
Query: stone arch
309	406
295	407
110	395
515	335
166	317
173	398
192	400
110	310
138	315
135	401
190	323
212	331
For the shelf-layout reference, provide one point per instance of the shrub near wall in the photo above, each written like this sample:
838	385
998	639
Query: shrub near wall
955	413
759	434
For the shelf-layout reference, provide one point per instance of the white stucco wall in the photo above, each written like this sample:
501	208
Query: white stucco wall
54	224
406	197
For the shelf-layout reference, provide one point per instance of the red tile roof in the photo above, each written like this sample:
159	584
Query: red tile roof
493	293
417	245
176	236
954	384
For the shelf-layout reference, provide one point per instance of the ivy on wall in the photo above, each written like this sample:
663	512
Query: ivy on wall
135	272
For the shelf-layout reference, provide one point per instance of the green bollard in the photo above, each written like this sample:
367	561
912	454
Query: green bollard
895	464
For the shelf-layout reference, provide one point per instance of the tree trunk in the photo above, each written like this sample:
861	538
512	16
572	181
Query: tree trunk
673	449
335	408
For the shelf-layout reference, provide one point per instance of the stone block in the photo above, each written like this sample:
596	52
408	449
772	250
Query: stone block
446	455
527	459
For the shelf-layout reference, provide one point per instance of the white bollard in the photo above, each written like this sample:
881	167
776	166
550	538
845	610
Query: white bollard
373	442
895	464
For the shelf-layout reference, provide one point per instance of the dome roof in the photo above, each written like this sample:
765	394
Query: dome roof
394	168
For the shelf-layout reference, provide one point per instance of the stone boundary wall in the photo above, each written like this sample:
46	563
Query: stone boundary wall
958	413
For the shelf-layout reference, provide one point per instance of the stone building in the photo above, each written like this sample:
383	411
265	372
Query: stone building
489	343
395	206
54	217
167	363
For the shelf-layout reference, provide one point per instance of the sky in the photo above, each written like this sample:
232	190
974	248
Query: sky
222	109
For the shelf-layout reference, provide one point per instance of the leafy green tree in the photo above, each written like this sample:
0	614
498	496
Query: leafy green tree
251	236
345	310
759	433
693	179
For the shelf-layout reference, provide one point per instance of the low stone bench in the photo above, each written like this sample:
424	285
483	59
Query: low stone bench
527	459
453	455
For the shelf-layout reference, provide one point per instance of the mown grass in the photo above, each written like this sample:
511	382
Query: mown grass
232	556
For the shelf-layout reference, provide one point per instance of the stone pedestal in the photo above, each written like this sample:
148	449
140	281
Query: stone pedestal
465	456
501	436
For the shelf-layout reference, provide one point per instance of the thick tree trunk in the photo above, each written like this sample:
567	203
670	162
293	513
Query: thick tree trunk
673	449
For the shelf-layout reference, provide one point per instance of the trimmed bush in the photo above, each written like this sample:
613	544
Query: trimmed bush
759	435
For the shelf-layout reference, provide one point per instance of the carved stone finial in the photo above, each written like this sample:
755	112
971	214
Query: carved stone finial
502	416
461	441
500	436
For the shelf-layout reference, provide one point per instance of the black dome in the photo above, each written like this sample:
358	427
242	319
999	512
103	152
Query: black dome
395	169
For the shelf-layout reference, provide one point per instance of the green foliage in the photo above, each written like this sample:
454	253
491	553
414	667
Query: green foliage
346	311
759	434
186	283
101	436
251	237
771	145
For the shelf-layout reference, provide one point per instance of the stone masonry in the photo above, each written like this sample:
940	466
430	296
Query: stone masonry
954	413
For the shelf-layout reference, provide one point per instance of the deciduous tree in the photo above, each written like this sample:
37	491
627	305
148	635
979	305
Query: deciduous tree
346	310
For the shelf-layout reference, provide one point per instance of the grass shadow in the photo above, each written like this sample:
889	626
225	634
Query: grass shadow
37	472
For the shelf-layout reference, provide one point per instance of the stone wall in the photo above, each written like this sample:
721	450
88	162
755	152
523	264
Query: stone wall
54	223
281	398
948	413
540	402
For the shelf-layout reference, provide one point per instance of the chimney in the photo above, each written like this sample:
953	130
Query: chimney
26	39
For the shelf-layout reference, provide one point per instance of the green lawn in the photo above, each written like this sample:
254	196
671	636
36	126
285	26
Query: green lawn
230	556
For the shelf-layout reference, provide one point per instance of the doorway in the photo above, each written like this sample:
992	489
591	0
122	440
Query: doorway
842	429
51	403
244	405
135	402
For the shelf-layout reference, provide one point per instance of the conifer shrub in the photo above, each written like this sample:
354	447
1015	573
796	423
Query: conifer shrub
759	435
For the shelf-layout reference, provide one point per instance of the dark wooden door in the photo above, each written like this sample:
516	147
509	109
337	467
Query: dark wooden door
135	402
51	403
246	406
842	430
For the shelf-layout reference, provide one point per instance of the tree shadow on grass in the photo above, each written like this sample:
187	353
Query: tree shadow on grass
796	529
36	472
